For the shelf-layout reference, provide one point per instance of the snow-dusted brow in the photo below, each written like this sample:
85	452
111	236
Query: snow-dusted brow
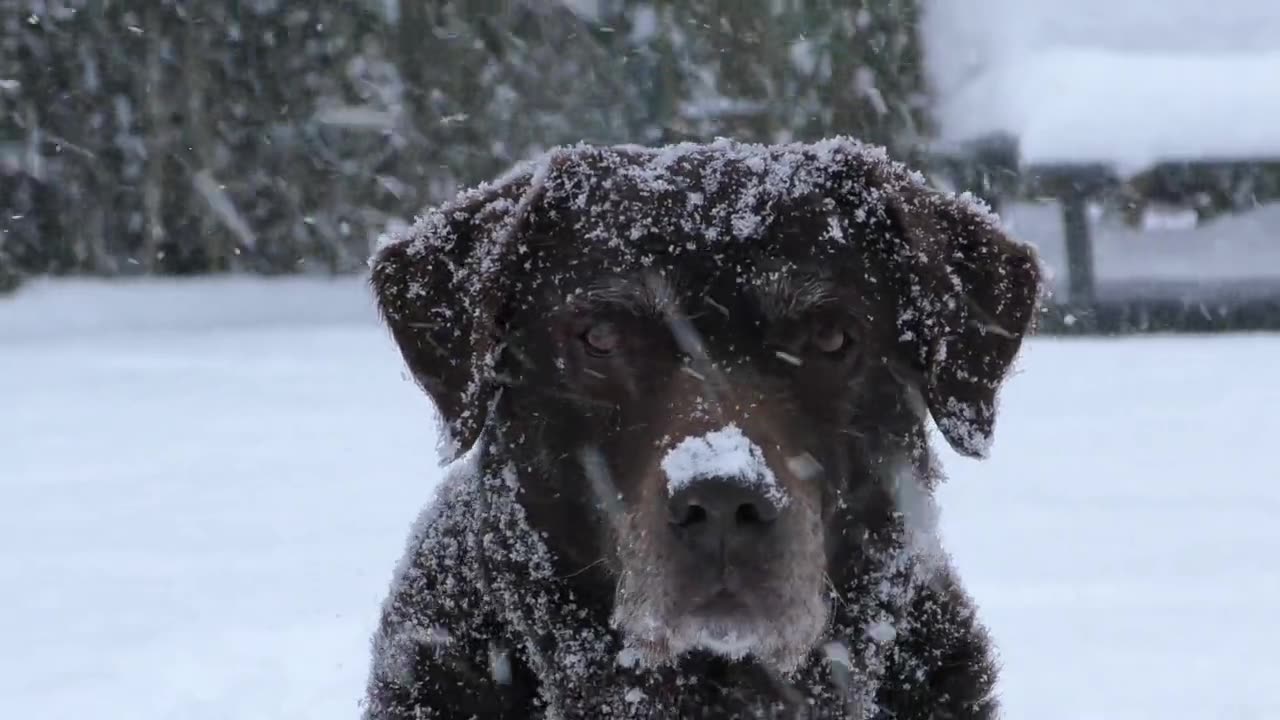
792	294
649	294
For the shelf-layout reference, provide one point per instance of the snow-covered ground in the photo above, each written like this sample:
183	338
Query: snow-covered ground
204	488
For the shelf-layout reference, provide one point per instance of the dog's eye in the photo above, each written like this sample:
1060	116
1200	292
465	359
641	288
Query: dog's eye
602	339
828	338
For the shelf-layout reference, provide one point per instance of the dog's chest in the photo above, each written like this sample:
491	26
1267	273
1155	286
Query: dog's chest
700	690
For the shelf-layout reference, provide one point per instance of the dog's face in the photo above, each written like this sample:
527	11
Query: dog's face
704	433
706	415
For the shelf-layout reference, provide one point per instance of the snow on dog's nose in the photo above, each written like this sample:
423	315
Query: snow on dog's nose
727	454
721	493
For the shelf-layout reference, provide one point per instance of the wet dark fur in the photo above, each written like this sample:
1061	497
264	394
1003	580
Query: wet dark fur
457	639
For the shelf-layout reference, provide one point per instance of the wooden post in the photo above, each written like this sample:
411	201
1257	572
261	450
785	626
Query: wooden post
1081	283
1072	185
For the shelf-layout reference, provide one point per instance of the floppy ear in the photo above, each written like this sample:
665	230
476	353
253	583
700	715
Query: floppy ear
967	296
427	283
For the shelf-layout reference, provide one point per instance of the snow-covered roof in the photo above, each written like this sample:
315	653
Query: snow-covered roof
1127	110
1124	87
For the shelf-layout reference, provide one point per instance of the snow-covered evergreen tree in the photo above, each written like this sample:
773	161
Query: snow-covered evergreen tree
194	136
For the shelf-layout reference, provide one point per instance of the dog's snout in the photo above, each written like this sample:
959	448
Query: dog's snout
712	513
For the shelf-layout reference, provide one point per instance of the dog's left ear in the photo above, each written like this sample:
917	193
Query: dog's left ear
433	288
967	295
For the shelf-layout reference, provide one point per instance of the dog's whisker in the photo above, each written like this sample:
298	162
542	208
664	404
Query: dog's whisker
835	592
584	568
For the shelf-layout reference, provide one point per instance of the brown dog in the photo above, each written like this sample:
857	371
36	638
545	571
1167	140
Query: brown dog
693	386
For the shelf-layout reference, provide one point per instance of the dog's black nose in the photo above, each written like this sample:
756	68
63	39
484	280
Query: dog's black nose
712	513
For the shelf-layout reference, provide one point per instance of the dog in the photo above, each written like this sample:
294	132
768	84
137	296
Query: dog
686	396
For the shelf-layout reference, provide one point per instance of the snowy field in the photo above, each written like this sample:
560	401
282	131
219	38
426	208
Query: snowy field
204	488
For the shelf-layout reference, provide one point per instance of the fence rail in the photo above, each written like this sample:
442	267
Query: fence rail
1084	301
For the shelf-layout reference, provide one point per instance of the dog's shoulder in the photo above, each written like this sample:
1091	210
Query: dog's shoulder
439	650
941	662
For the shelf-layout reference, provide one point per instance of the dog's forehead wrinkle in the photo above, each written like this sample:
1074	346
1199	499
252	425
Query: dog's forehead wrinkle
647	293
792	293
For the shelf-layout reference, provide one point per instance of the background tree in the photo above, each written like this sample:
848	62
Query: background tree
179	137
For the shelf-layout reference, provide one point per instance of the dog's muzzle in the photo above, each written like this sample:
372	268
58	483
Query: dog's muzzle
723	500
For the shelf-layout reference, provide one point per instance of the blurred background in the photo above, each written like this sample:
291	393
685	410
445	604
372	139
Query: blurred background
1135	142
210	453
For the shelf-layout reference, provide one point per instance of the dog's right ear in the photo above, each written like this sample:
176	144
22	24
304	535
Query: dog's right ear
968	296
424	283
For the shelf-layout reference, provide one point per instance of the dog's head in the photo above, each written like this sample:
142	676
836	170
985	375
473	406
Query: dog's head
710	357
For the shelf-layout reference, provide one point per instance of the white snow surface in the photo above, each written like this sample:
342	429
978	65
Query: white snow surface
205	488
1124	82
727	454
